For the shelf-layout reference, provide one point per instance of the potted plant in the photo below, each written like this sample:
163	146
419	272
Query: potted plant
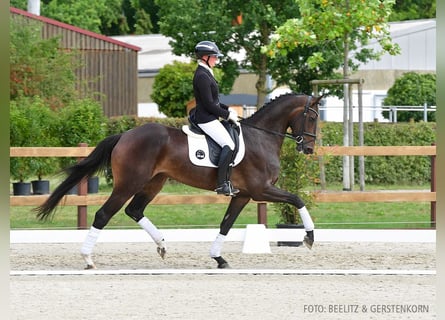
19	168
41	167
33	124
298	171
45	135
20	172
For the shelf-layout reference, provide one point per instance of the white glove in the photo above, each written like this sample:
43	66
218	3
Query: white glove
233	116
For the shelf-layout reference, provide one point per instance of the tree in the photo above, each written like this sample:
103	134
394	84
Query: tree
236	27
412	89
345	25
413	9
38	67
108	17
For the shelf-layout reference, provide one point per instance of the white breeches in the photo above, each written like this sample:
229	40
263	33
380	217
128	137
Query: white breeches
217	132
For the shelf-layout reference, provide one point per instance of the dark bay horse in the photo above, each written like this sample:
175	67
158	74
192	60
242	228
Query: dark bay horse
143	158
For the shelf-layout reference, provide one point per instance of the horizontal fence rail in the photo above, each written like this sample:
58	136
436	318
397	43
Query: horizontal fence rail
84	200
321	151
162	199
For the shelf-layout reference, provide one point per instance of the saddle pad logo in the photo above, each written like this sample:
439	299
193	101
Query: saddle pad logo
200	154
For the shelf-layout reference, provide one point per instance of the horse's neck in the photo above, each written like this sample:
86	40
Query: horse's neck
271	120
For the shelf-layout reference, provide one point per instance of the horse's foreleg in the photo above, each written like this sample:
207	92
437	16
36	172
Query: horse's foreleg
308	226
235	207
274	194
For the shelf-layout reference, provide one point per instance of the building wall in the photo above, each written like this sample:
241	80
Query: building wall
109	67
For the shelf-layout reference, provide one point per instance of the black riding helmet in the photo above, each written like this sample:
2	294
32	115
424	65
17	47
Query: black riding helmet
207	48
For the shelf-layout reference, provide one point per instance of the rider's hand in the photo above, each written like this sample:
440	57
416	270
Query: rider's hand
233	116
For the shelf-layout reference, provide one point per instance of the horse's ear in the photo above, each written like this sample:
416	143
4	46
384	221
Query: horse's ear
318	99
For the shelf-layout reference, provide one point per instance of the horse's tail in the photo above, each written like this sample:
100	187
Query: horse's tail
96	161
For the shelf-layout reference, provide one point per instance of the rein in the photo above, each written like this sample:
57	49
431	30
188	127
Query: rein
285	135
299	139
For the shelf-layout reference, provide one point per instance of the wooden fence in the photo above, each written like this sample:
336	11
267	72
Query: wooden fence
82	200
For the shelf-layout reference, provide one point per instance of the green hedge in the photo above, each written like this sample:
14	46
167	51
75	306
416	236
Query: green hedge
379	170
124	123
384	169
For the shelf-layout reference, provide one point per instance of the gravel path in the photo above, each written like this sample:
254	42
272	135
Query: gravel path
229	296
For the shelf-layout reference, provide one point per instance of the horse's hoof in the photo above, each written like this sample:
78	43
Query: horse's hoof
162	251
89	261
308	242
222	264
309	239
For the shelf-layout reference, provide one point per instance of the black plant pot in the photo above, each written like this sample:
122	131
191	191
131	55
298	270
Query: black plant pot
21	188
289	243
40	186
93	184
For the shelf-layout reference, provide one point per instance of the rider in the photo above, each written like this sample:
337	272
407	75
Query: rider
209	110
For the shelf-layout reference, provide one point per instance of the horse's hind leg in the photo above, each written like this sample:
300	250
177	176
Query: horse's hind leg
135	210
103	215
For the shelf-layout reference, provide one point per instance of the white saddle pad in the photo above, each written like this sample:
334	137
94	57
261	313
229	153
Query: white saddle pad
199	149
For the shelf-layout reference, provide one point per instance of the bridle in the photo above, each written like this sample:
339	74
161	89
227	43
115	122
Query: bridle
298	138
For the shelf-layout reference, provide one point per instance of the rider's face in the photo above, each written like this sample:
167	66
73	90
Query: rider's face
213	60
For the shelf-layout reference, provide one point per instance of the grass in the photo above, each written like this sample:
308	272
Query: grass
325	215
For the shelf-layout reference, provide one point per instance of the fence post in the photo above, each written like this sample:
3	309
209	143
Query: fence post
262	213
433	189
82	190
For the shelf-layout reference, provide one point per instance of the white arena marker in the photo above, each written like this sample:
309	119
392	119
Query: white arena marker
386	272
256	239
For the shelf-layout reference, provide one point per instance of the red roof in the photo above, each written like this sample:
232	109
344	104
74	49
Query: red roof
74	29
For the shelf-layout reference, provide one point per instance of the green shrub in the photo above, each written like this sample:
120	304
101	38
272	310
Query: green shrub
125	123
120	124
412	89
298	171
82	121
173	88
32	123
378	169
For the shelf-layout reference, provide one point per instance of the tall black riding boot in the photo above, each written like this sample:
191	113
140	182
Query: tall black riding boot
223	179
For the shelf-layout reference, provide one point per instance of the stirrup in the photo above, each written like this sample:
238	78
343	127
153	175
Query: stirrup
227	189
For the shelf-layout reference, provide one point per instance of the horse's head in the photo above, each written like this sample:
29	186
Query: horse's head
304	125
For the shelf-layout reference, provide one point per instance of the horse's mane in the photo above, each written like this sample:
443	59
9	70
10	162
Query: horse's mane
270	104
